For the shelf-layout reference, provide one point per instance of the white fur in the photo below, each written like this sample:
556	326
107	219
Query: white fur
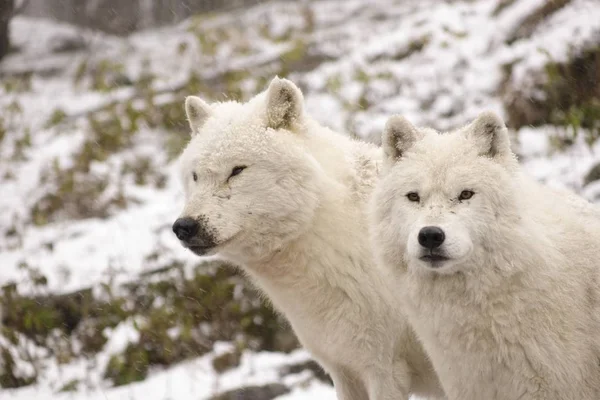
295	221
514	313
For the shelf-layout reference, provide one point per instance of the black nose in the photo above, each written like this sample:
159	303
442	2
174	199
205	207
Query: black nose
185	228
431	237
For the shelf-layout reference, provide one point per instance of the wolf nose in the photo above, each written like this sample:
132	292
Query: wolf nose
185	228
431	237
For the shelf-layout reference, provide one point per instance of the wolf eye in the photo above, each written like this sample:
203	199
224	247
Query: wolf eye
194	176
466	195
413	196
237	170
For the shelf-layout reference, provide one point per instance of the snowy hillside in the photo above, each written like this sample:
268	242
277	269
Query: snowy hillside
99	299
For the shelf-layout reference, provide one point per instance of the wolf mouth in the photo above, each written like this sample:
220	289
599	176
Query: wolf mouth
200	250
433	258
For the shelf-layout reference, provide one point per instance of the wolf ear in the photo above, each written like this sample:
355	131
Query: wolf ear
284	104
197	112
489	134
399	135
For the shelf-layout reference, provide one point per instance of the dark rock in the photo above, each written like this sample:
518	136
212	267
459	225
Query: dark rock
310	365
67	44
593	175
285	340
265	392
226	361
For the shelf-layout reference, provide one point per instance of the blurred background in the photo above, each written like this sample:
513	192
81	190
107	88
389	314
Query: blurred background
99	300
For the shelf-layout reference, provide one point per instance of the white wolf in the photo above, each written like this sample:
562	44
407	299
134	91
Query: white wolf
285	198
498	275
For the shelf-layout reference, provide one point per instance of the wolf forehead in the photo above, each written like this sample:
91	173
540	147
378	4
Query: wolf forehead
442	148
439	156
229	144
486	137
242	140
477	154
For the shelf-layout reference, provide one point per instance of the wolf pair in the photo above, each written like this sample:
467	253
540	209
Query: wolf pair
430	266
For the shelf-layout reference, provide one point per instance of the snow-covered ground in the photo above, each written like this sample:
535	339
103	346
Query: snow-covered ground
357	61
192	379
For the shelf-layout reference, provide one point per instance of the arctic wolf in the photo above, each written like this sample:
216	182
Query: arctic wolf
498	275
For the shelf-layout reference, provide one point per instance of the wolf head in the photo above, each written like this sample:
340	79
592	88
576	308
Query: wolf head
249	184
442	194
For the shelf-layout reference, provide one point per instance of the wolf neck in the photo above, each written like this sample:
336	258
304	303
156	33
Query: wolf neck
323	268
332	260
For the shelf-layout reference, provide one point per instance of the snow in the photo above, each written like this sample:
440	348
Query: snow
194	379
437	63
562	169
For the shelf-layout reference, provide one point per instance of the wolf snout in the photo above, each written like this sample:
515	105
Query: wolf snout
185	228
194	234
431	237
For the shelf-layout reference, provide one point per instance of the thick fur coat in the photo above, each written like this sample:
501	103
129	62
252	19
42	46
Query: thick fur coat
506	299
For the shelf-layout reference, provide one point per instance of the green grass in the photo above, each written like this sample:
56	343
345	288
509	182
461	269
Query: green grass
169	330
